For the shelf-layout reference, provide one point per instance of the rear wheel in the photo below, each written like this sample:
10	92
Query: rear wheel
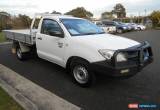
20	55
82	73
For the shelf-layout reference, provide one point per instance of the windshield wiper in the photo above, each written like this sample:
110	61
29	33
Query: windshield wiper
94	33
89	33
101	33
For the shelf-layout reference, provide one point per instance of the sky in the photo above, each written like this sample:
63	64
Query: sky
29	7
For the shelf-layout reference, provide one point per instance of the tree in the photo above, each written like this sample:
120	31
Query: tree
21	21
55	12
107	15
119	10
155	17
4	20
26	20
80	12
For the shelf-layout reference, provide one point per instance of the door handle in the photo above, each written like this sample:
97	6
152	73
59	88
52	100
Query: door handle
60	45
39	38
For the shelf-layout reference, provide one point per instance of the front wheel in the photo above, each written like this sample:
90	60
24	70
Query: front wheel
119	31
139	29
82	74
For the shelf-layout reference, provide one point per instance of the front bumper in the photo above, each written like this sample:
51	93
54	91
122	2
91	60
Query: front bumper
112	31
132	66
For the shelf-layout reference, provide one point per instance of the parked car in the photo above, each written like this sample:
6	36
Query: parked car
108	29
129	27
134	26
139	26
119	27
81	47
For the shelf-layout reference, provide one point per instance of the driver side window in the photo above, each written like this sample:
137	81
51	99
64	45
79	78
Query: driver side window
49	25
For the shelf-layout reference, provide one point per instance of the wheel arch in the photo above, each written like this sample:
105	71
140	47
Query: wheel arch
74	58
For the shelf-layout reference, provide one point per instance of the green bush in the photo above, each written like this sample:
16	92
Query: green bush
155	17
2	37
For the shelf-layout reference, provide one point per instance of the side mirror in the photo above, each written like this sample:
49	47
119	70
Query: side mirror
56	33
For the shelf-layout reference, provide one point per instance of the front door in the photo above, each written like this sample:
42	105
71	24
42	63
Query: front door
50	46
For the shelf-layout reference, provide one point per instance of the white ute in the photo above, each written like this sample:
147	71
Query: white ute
81	47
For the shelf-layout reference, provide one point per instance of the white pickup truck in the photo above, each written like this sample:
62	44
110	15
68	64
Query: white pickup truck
81	47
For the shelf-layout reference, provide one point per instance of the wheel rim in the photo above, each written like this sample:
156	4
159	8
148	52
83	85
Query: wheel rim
80	74
119	31
19	53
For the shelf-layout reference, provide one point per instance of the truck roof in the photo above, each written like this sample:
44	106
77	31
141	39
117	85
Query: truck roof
54	16
61	17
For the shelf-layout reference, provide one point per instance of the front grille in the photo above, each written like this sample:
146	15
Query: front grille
132	58
135	57
132	55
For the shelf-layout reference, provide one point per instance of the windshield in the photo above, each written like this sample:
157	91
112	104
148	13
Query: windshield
121	23
78	27
116	23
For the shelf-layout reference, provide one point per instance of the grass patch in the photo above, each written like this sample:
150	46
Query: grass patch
7	103
2	38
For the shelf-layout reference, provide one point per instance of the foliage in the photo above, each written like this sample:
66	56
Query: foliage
4	21
80	12
22	21
7	103
14	22
119	10
55	12
107	15
2	38
155	17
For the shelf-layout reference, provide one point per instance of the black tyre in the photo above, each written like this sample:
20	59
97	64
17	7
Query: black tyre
19	54
139	29
82	73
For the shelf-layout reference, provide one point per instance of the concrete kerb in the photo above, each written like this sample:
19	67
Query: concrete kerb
29	95
23	101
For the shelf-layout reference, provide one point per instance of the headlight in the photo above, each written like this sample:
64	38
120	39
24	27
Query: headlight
106	53
121	57
124	27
